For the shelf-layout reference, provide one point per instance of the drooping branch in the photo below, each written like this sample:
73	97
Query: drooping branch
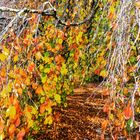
26	10
88	18
52	12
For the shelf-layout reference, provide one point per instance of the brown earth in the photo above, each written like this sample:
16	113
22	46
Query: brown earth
83	117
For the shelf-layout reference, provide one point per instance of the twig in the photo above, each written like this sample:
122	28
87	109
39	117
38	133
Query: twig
53	14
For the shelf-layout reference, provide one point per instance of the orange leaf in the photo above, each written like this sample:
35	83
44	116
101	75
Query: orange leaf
23	73
106	92
17	84
21	134
106	108
125	91
128	112
1	126
31	67
104	124
3	72
11	129
68	23
19	90
42	108
34	85
39	90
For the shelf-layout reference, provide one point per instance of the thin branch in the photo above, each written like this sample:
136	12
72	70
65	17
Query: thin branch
10	25
53	13
88	18
26	10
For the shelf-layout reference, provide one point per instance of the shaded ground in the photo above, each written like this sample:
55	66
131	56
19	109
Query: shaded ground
82	118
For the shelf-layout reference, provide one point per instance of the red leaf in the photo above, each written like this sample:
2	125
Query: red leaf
31	67
97	71
17	122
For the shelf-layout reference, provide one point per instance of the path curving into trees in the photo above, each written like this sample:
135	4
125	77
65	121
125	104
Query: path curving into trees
84	118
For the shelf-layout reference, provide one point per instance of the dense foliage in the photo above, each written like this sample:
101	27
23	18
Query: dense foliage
42	59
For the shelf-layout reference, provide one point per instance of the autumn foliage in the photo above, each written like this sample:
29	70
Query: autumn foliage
41	66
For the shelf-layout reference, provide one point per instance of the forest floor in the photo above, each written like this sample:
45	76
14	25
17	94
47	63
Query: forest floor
82	118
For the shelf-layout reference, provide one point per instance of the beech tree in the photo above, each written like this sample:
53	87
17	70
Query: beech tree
47	47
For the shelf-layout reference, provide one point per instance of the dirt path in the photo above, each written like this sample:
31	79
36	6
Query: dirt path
82	118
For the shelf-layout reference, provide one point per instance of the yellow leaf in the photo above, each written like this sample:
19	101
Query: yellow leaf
47	70
49	109
2	136
138	110
30	123
11	112
103	73
34	110
48	120
57	98
64	70
67	10
3	93
2	57
79	37
137	4
38	55
11	74
103	63
9	87
111	117
15	58
6	51
6	90
59	41
28	114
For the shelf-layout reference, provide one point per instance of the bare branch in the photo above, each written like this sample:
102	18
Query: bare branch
88	18
26	10
52	12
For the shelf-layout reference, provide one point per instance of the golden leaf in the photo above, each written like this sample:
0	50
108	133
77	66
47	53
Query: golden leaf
103	73
11	112
2	57
15	58
48	120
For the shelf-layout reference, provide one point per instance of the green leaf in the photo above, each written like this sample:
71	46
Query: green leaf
132	59
43	79
133	48
46	70
129	125
46	54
